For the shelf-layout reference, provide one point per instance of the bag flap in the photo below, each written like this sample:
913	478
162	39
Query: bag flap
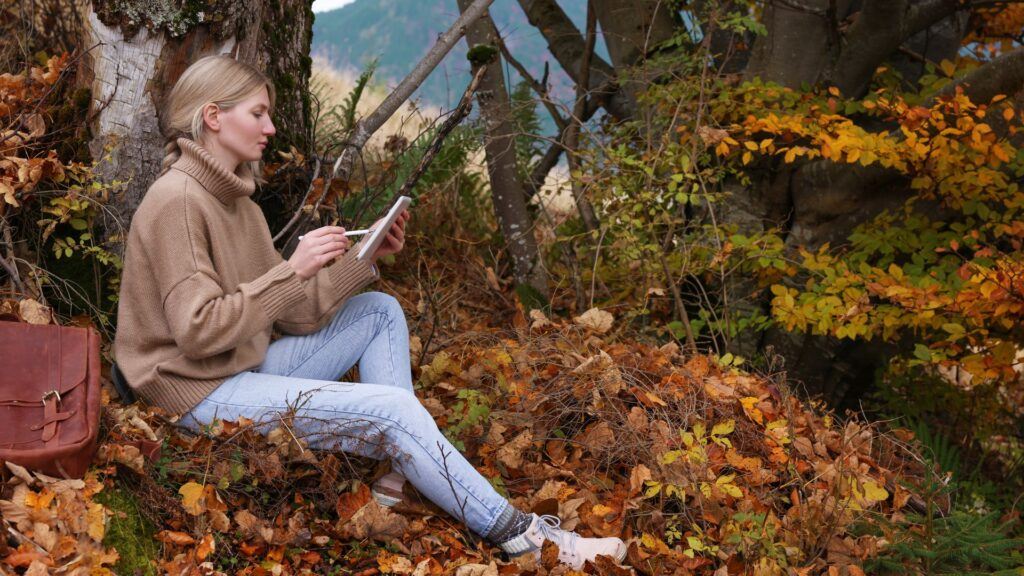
39	358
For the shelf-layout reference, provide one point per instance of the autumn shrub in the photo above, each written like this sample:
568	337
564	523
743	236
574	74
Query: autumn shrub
69	259
937	278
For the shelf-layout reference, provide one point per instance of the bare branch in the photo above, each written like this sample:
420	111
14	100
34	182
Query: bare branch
539	87
1003	75
453	120
370	124
583	205
567	45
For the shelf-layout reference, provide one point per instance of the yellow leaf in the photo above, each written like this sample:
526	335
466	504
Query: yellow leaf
947	67
732	490
1008	114
747	157
873	492
723	428
40	500
750	146
96	519
192	498
750	407
653	488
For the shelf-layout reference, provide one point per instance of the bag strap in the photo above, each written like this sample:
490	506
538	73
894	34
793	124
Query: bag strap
51	398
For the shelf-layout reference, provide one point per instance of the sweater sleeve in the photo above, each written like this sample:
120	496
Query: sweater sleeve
203	318
326	292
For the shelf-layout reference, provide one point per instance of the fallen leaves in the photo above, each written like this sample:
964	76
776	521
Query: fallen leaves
56	523
599	321
690	460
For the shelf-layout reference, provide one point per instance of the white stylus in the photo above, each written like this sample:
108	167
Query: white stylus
351	233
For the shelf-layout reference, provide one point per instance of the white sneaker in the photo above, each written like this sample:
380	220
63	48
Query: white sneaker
385	491
573	549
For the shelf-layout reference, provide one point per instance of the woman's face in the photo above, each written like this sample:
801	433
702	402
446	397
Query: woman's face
246	127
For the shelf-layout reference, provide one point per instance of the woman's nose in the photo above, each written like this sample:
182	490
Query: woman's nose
269	129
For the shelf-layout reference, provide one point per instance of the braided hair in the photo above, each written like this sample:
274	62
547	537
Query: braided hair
219	80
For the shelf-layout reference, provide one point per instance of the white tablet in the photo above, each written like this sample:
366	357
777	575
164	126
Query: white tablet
370	244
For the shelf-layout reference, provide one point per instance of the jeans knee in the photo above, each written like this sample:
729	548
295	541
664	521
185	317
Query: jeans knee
407	409
385	303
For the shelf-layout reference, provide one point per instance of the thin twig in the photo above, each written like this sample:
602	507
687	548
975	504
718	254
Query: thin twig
298	212
448	477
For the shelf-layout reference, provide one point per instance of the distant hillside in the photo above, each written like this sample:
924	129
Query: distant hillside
399	32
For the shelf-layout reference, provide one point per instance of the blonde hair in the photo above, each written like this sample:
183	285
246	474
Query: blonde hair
219	80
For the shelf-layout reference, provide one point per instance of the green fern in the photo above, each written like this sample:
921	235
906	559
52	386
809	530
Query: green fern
965	542
348	108
333	124
937	446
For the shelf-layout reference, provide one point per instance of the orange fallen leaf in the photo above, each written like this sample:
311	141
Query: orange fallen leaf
206	546
176	538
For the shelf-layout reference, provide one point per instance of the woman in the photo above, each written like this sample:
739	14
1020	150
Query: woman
203	286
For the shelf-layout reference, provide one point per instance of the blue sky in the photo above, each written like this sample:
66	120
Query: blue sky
325	5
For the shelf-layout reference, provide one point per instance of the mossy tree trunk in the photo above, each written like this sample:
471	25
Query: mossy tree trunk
507	189
140	48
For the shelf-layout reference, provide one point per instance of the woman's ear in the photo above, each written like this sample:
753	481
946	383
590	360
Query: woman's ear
211	116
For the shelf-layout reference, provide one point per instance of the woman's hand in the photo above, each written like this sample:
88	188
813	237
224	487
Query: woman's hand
395	240
316	249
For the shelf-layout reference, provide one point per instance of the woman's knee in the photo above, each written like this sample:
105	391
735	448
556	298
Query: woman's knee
382	302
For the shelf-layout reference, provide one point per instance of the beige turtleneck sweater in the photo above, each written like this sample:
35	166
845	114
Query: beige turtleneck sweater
203	286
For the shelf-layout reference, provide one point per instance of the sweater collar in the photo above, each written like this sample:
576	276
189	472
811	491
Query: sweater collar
197	162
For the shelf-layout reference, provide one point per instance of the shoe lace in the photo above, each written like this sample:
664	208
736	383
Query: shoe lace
550	527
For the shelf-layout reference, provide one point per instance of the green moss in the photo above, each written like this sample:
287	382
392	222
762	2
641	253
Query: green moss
159	14
481	54
130	533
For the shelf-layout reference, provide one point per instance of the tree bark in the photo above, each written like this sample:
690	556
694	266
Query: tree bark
566	44
139	53
633	29
499	147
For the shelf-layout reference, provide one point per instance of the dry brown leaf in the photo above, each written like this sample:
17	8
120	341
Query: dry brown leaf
21	472
477	569
637	476
538	319
511	453
219	521
175	538
206	547
33	312
389	563
251	526
351	502
569	513
37	568
375	521
595	319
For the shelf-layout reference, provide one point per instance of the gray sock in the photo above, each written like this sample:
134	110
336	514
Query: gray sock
510	524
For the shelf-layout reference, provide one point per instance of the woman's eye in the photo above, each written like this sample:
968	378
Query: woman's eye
258	115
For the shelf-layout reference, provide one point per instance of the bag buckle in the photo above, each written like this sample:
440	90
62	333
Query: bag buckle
51	394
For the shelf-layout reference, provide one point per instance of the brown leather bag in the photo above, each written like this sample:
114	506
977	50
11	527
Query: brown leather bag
49	397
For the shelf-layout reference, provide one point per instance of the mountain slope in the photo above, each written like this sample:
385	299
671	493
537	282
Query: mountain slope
399	32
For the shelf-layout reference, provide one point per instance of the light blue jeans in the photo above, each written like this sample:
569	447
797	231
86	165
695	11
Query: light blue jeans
380	417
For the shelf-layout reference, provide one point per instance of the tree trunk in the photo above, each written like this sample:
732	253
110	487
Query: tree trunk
139	53
506	190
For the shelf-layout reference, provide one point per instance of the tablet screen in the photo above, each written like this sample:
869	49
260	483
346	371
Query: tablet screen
380	232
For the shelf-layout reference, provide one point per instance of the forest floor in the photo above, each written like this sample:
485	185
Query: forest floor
701	467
